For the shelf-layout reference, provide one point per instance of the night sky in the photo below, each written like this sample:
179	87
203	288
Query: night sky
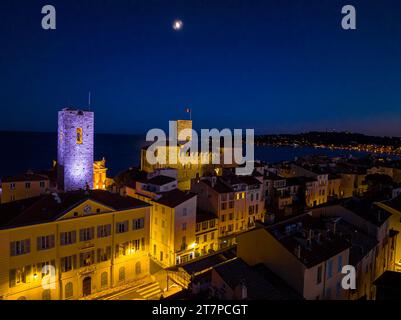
276	66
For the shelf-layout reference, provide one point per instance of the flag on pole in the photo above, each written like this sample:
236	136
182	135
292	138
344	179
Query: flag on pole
188	110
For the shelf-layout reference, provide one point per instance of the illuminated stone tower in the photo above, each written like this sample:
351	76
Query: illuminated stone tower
75	149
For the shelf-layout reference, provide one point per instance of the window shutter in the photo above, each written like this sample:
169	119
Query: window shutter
99	231
74	261
27	246
12	249
28	271
81	234
62	238
12	278
38	243
73	236
52	241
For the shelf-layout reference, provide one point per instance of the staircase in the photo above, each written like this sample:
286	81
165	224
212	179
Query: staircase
150	291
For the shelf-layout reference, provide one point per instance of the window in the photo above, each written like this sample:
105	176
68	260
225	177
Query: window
230	228
163	224
231	216
69	290
257	197
12	186
198	227
21	247
197	239
136	244
122	227
68	263
319	275
67	238
212	223
138	224
205	238
184	242
42	184
86	258
329	269
104	231
19	276
251	196
224	206
340	263
104	254
212	236
184	226
121	274
223	217
86	234
46	294
79	136
27	185
204	225
138	268
104	280
184	212
161	255
45	242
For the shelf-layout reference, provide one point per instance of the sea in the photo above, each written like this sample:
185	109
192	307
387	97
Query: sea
23	151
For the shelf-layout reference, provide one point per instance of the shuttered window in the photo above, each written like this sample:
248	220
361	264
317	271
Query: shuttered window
45	242
86	234
21	247
67	238
104	231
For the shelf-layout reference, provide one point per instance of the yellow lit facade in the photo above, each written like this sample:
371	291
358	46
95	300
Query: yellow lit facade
23	187
207	235
92	247
172	227
99	175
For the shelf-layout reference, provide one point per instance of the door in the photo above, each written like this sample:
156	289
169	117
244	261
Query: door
87	286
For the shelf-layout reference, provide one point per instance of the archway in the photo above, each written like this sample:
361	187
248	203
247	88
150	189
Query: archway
87	286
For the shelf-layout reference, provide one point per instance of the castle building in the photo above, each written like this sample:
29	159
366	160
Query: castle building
75	149
201	162
72	245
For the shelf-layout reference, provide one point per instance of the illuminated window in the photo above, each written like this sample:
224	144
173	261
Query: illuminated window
69	290
121	274
104	280
79	136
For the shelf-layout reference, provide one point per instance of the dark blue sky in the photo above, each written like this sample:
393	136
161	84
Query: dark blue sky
276	66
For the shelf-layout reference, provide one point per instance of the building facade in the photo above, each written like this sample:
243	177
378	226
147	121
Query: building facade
80	244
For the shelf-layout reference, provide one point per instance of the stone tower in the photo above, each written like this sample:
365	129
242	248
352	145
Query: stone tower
75	149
